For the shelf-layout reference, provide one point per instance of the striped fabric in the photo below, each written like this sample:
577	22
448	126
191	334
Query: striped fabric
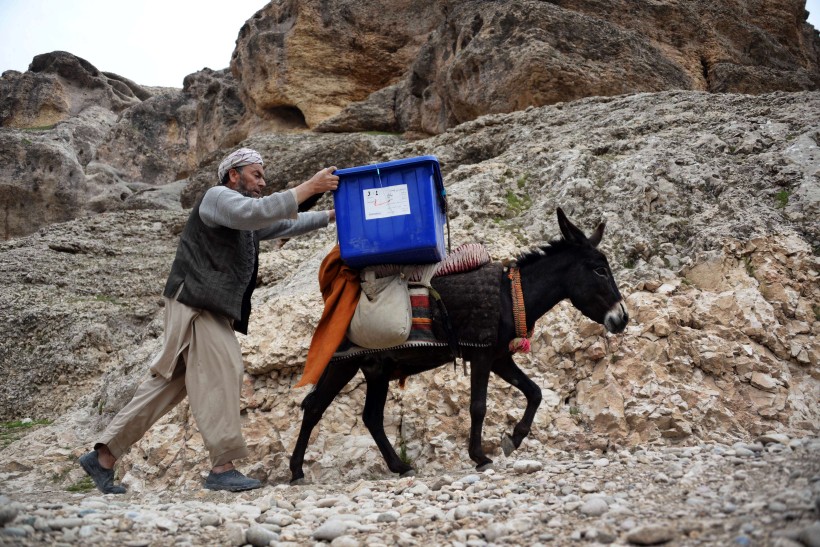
422	328
464	258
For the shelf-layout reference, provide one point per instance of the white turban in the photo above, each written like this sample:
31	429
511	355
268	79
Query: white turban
239	158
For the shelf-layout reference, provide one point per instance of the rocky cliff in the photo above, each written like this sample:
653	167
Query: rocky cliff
635	113
93	141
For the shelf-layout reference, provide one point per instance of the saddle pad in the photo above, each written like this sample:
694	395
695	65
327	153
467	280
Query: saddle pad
472	301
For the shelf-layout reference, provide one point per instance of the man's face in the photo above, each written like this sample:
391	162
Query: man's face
248	180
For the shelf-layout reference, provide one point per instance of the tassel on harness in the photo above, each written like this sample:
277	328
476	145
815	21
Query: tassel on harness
521	343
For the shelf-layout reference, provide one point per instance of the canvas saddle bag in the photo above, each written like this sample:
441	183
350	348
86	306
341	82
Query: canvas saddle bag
383	316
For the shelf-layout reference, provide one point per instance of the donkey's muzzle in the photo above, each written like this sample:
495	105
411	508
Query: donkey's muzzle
616	318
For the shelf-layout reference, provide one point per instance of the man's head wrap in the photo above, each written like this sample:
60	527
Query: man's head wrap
239	158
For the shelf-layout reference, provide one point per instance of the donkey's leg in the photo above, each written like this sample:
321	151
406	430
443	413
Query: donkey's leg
335	377
378	383
509	371
479	378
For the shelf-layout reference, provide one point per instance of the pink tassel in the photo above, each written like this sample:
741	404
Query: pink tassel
520	345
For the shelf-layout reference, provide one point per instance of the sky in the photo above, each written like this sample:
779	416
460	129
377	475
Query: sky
152	42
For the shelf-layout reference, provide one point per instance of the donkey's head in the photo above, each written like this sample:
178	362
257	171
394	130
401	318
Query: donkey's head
589	283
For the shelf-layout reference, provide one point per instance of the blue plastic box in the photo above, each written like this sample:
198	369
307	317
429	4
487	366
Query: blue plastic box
391	213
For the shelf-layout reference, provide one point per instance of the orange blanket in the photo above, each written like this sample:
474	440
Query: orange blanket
340	290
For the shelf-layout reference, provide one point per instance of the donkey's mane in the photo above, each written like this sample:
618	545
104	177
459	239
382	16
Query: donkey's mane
537	253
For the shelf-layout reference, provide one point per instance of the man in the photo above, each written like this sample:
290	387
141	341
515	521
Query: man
207	297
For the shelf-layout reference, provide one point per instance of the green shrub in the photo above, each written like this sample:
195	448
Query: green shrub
85	484
11	431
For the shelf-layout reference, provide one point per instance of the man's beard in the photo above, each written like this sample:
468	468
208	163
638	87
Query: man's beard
245	192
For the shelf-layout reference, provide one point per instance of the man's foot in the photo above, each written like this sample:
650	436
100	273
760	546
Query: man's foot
102	477
232	480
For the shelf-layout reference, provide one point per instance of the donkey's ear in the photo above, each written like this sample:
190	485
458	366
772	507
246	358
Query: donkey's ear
570	232
596	236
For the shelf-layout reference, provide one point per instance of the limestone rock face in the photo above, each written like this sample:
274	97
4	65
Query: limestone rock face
59	85
62	173
77	141
168	136
82	294
310	58
153	142
101	148
219	112
42	172
485	57
415	67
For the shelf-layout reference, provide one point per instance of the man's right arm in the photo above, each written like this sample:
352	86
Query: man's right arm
222	206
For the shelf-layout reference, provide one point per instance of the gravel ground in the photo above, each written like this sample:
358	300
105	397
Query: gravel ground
761	493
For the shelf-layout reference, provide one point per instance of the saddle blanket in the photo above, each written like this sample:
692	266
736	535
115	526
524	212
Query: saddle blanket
472	301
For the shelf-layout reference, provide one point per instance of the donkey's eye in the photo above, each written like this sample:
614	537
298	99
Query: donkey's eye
603	272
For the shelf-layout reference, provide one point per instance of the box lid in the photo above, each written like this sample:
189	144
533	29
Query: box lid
389	164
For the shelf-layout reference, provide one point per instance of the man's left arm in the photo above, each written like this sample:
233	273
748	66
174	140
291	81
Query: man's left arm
304	223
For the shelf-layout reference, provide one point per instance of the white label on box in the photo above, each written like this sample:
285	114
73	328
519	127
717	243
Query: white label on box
390	201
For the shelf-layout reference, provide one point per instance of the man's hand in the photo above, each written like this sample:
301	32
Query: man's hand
319	183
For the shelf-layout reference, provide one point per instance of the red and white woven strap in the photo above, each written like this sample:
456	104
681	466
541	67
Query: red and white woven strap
521	342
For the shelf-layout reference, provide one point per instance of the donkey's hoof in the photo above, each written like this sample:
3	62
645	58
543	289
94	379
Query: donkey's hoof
408	473
484	467
507	445
298	482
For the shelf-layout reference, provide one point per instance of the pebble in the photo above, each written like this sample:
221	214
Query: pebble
331	529
388	516
810	535
8	510
527	466
652	534
708	495
774	438
594	507
495	531
63	523
347	541
259	536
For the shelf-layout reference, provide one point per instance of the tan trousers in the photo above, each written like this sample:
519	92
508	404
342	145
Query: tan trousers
201	358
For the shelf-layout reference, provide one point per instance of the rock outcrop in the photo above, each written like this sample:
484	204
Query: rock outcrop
75	142
450	62
58	86
310	59
413	67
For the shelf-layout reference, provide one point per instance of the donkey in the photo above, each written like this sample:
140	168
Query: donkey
571	267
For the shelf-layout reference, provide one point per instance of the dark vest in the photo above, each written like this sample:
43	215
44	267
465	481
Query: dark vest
218	267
